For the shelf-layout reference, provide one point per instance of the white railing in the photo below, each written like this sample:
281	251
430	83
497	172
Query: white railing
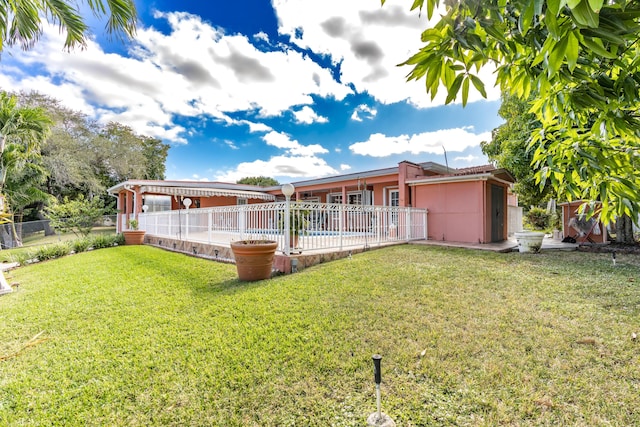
315	226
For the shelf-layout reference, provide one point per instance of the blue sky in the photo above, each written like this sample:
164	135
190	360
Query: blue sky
288	89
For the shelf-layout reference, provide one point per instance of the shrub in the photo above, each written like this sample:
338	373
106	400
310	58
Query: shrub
77	216
22	257
104	241
537	218
81	245
48	252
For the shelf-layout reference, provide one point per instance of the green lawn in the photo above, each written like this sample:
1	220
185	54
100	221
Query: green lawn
135	336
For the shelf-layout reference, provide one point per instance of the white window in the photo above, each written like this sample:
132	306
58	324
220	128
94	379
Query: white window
394	197
157	203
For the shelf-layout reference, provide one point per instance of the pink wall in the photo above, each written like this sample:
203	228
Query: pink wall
456	210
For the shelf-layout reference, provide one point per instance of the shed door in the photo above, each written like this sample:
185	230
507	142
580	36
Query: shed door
497	213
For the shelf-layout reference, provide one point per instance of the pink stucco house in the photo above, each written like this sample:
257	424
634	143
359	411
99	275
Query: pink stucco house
464	205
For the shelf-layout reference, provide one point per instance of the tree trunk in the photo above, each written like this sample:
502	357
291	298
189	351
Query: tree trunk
16	230
624	230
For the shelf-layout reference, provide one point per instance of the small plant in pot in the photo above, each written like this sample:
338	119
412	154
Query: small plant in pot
298	224
133	236
536	223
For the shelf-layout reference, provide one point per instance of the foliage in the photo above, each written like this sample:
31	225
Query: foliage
168	339
60	249
80	245
22	132
77	216
581	58
261	181
83	157
537	218
101	241
49	252
133	224
508	148
298	220
21	21
22	257
254	242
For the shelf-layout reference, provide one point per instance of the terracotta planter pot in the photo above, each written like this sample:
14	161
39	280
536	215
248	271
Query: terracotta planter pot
133	237
254	258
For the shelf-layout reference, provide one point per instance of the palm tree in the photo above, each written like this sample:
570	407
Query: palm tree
21	20
22	131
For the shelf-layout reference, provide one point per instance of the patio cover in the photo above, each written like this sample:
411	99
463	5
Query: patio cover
205	192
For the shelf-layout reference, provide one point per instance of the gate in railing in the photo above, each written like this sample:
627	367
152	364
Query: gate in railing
312	226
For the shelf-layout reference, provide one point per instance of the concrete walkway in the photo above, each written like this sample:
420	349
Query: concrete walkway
548	244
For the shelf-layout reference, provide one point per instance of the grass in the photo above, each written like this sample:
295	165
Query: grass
135	336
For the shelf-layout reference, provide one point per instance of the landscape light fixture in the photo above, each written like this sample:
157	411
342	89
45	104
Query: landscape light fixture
287	190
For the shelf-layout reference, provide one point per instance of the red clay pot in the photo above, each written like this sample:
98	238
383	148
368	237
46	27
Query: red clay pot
254	258
133	237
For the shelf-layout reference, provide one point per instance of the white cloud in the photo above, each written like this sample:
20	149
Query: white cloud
261	36
344	167
231	144
298	161
368	41
292	147
194	70
307	116
279	167
453	140
470	158
363	111
255	127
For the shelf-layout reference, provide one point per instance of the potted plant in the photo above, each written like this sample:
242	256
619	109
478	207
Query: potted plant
254	258
133	236
536	223
298	224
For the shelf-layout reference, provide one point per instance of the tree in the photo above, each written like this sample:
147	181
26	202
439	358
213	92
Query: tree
22	189
77	216
155	154
84	157
508	148
21	20
22	131
262	181
580	57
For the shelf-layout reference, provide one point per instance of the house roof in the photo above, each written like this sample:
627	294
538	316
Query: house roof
483	172
194	189
212	188
205	192
434	167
